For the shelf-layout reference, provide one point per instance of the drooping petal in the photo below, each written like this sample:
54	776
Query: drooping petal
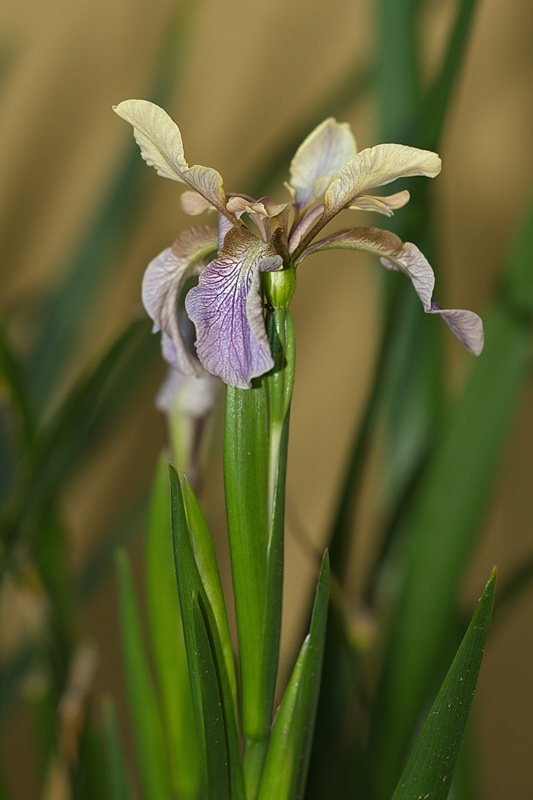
226	309
163	283
318	158
377	166
161	145
381	205
407	258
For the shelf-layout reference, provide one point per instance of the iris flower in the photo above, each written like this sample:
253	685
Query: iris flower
327	175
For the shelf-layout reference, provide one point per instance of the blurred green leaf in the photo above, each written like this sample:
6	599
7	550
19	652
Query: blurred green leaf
73	429
145	716
435	105
190	586
431	765
12	375
119	784
97	254
170	658
287	759
442	533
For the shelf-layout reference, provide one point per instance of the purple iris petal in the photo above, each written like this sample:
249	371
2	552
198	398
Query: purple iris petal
163	283
227	311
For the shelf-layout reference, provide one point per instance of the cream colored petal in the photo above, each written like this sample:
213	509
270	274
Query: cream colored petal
161	145
318	159
381	205
194	204
377	166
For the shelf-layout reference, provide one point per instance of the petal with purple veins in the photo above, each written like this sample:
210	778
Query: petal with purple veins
163	283
227	311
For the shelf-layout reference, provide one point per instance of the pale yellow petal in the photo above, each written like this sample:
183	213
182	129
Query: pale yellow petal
377	166
318	159
161	145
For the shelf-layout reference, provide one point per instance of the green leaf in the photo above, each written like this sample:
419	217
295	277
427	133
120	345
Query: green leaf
76	424
431	765
216	744
287	759
170	658
97	254
11	374
441	533
436	104
146	720
206	563
190	586
119	784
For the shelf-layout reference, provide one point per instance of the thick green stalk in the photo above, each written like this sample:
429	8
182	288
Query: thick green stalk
255	459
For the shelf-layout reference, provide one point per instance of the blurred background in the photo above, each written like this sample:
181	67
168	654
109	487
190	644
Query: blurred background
243	81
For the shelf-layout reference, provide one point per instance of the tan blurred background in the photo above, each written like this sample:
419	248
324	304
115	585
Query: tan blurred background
251	70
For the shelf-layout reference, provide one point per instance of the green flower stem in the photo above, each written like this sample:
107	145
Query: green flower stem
255	460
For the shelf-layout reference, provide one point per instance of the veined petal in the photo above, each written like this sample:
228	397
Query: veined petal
381	205
318	158
161	145
163	284
377	166
408	259
226	309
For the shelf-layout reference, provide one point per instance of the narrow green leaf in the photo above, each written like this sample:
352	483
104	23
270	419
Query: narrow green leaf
431	765
287	759
77	423
97	253
216	744
147	727
205	558
436	104
190	586
119	784
12	375
164	620
441	534
398	67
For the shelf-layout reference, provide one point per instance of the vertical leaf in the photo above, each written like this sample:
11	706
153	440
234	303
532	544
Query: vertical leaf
190	586
216	744
431	765
164	619
119	785
287	759
147	727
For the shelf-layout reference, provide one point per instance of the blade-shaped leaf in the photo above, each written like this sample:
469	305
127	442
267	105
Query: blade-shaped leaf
430	767
463	467
119	784
147	727
190	586
287	758
170	658
216	744
206	563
